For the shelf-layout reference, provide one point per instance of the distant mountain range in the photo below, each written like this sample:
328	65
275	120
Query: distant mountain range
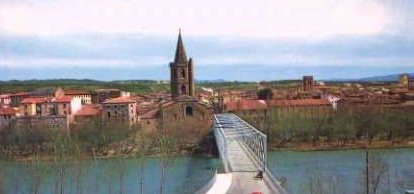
379	78
386	78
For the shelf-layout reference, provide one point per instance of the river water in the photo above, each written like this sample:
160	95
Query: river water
336	170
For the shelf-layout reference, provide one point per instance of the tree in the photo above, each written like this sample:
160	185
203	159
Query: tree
166	144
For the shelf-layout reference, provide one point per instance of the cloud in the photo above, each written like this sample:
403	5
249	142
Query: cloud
138	50
261	18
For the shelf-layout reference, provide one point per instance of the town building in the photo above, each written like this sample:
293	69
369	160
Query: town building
16	98
307	83
86	97
88	113
120	110
101	95
5	99
64	106
7	116
33	106
47	112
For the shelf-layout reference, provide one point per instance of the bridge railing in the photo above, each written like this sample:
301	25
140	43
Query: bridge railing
253	139
221	141
256	141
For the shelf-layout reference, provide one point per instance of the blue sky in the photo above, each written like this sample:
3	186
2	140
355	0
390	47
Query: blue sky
232	40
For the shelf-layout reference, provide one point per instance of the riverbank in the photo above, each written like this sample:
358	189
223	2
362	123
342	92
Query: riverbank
208	149
303	147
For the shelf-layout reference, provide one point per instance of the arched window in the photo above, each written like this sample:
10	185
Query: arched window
183	89
188	111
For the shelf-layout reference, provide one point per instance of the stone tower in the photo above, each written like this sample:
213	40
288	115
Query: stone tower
182	72
307	83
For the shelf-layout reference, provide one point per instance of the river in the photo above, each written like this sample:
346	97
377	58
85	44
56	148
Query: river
334	170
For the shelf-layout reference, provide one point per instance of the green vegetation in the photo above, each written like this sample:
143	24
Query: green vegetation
348	126
91	138
136	86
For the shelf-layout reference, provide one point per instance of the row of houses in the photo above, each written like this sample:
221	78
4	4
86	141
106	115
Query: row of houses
56	108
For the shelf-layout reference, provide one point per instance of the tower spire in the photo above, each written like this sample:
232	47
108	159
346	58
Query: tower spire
180	56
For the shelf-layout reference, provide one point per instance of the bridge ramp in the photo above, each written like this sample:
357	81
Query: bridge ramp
243	151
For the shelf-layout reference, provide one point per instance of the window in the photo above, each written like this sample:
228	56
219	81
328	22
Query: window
64	105
188	111
183	73
109	114
183	89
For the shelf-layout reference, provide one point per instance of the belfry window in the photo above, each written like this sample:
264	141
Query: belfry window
188	111
183	73
183	89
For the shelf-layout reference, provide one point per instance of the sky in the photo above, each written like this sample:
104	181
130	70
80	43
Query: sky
228	39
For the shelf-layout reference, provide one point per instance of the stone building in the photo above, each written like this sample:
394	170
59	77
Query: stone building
308	83
181	72
184	113
16	98
47	112
7	116
121	110
101	95
33	106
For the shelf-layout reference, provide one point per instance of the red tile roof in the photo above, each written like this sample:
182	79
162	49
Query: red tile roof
7	110
246	105
89	110
151	114
5	95
119	100
34	100
63	99
301	102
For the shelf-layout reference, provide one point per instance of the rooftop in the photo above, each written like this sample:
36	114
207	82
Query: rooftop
6	110
63	99
246	105
119	100
34	100
89	110
301	102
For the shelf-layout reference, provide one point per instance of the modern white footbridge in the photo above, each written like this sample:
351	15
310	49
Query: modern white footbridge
243	150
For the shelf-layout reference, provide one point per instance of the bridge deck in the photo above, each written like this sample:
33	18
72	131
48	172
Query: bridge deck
240	158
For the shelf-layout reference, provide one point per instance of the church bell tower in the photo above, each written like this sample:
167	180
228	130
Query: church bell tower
182	73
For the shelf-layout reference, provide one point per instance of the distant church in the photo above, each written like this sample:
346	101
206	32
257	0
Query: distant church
184	112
